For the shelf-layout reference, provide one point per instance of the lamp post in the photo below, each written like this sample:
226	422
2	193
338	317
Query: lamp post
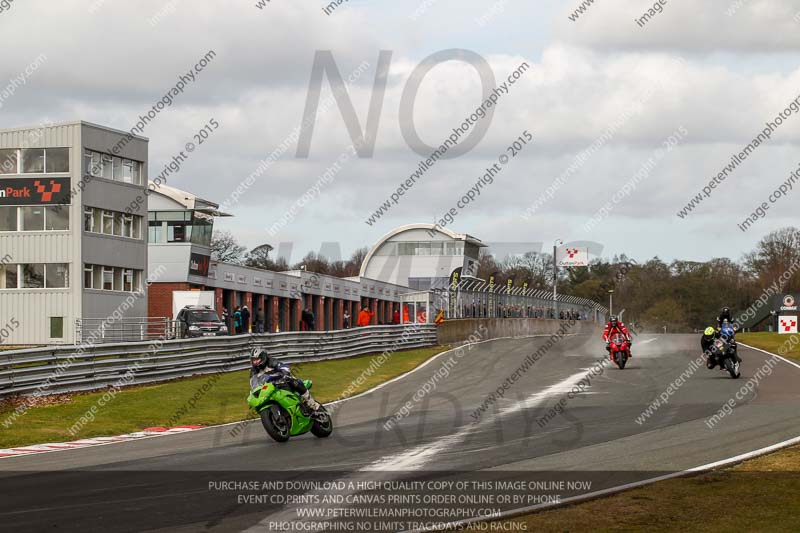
556	244
610	302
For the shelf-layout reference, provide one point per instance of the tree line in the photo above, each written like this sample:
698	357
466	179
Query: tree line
225	248
681	295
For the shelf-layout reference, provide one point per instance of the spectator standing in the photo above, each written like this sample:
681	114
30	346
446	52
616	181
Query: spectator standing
245	320
364	317
226	319
260	318
237	320
308	319
346	320
396	316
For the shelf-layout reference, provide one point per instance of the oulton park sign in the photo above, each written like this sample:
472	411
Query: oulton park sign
40	191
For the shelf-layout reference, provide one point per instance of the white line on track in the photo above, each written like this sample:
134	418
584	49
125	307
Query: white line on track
416	458
770	353
97	442
613	490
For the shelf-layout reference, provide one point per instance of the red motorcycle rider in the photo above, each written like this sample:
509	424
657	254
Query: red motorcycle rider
615	326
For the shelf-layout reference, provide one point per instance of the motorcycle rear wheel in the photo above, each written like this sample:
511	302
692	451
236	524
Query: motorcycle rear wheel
276	422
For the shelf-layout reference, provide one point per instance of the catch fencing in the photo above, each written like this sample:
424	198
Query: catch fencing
51	370
474	298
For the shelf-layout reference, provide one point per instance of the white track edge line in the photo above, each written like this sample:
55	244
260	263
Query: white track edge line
368	391
636	484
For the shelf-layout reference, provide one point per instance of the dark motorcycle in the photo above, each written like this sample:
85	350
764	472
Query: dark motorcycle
723	353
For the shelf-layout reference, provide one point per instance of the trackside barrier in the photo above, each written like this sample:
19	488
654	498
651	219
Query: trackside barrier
58	369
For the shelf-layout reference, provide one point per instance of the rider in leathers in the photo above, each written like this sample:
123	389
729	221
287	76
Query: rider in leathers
615	326
262	364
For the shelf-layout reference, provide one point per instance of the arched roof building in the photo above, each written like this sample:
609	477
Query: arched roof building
421	256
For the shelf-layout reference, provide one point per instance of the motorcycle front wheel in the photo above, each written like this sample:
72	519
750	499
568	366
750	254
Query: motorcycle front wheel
621	359
323	425
731	368
276	422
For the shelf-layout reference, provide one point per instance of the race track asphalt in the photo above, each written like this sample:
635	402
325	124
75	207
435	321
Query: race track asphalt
567	417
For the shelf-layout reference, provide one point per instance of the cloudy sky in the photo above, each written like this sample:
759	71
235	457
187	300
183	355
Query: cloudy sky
709	74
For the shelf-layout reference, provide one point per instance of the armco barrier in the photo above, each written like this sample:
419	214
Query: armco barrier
52	370
458	331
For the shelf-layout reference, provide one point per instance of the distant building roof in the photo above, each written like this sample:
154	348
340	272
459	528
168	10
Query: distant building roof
188	200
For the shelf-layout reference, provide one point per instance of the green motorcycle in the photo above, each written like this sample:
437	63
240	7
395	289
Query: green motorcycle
283	413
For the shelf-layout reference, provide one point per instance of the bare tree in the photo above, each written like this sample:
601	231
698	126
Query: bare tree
259	258
226	249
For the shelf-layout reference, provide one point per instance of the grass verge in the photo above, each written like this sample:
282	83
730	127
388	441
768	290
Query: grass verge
757	495
771	342
135	408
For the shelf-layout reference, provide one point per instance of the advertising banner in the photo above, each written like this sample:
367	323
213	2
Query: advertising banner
39	191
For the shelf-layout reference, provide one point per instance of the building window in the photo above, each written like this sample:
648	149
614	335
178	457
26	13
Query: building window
33	276
136	172
56	276
112	223
107	169
32	218
405	248
127	280
113	168
127	171
117	279
8	276
57	159
56	218
97	282
88	219
176	232
88	277
56	327
108	222
117	224
94	163
9	162
423	248
108	278
8	218
127	226
156	232
32	160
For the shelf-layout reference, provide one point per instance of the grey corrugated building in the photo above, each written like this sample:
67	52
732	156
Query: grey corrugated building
73	225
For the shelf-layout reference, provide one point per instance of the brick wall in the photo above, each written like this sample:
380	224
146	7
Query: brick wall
159	298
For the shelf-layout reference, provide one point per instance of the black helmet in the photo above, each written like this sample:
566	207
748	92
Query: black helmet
726	311
613	320
258	358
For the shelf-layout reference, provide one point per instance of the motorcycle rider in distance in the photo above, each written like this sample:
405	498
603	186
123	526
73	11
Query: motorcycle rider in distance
724	315
615	326
262	364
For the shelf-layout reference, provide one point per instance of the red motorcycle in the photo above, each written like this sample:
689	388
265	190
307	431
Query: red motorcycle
619	349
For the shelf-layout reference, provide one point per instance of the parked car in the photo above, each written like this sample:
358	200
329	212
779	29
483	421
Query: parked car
199	321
